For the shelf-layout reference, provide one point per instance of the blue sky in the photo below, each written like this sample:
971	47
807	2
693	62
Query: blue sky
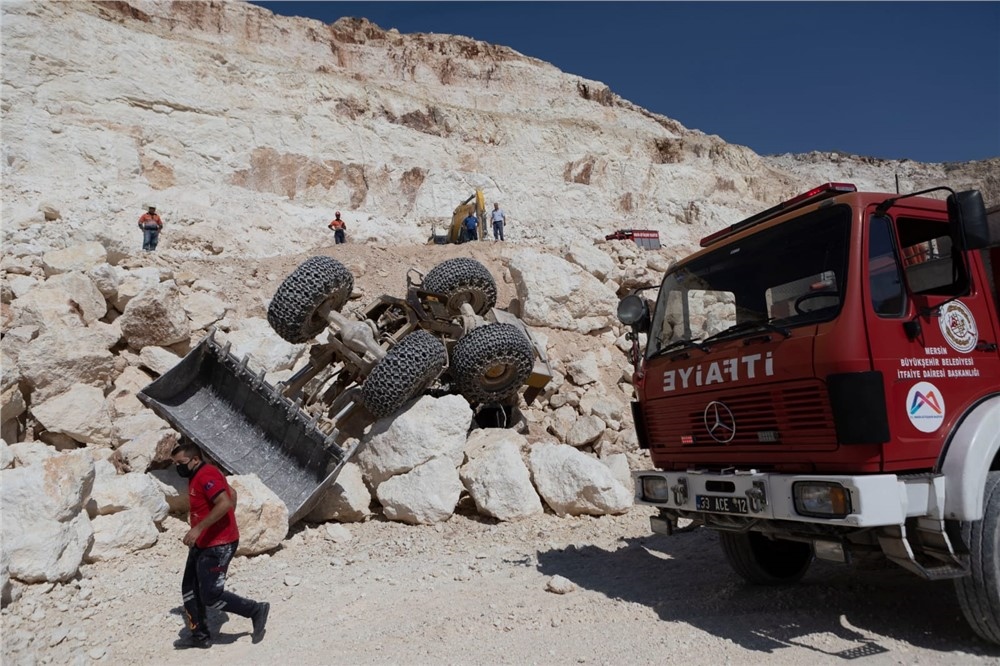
913	80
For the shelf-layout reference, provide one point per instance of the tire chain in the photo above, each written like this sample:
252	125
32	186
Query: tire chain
486	346
462	274
407	369
303	291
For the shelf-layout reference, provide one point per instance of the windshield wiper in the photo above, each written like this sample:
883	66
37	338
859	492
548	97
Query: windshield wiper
682	344
747	327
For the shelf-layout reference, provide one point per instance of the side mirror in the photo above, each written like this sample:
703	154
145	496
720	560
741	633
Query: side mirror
967	215
633	311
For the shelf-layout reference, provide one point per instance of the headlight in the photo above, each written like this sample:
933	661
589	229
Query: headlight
823	499
654	488
632	310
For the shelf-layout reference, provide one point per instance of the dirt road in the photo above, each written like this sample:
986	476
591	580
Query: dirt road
473	592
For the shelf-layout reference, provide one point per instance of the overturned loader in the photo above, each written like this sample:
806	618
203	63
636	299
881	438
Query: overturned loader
445	336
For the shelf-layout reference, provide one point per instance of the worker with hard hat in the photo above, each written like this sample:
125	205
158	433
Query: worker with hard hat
339	229
151	225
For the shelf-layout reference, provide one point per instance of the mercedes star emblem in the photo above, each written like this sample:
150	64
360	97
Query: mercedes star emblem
720	422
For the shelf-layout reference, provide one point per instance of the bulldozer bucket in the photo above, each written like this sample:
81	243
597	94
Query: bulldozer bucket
246	425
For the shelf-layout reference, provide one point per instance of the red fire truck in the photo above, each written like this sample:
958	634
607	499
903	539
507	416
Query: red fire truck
822	380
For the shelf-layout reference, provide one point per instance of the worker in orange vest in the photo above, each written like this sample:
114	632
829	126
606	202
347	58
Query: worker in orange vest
151	224
339	229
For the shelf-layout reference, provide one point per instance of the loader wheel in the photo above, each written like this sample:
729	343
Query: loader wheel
293	313
463	280
492	362
407	369
979	592
764	561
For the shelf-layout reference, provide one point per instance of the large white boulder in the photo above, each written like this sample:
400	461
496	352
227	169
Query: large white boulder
113	494
497	478
105	278
260	515
153	446
157	359
81	257
572	483
122	533
346	501
557	294
430	428
135	425
131	284
155	317
80	413
45	531
585	430
425	495
61	357
69	299
256	338
126	386
173	487
593	260
203	309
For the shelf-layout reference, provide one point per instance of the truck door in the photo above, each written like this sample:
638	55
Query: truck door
924	336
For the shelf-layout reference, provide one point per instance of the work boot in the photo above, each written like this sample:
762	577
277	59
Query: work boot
259	619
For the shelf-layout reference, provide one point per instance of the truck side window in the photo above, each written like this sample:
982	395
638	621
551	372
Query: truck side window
927	262
884	279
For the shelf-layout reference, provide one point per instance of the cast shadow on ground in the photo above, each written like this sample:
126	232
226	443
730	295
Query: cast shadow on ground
685	578
216	619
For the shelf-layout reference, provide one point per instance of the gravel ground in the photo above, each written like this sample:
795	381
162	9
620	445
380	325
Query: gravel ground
472	591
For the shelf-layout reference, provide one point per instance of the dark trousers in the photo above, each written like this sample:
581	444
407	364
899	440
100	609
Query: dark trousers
203	587
339	236
497	230
470	234
150	237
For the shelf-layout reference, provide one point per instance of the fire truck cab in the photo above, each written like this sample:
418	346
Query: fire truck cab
822	379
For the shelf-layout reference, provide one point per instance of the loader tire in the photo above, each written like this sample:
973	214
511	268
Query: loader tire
764	561
463	280
293	313
979	592
405	371
491	363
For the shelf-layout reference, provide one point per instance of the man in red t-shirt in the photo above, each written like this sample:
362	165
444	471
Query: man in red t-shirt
213	539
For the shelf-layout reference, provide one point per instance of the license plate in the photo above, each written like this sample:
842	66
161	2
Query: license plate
722	504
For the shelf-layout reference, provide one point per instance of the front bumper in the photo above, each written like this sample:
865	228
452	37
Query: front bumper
875	499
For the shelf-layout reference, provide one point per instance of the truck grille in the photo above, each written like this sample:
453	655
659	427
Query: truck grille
793	414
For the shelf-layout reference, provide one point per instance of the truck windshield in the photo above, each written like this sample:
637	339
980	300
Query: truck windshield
786	276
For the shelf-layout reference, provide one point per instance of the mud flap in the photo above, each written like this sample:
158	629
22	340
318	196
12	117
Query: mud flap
247	426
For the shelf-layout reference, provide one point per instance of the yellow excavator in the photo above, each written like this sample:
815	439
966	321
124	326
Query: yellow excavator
475	204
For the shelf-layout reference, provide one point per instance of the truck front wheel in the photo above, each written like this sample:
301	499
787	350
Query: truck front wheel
979	592
764	561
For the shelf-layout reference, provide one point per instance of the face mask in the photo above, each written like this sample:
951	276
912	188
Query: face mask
183	471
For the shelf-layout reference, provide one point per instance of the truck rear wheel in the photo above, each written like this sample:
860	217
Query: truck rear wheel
490	363
294	310
463	280
979	592
405	371
764	561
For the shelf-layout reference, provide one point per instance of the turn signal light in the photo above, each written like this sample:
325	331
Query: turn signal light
822	499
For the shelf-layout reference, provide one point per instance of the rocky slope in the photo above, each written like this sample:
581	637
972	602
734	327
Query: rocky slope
248	129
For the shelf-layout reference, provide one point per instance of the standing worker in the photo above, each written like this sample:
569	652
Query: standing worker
339	229
498	221
151	224
212	539
471	226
